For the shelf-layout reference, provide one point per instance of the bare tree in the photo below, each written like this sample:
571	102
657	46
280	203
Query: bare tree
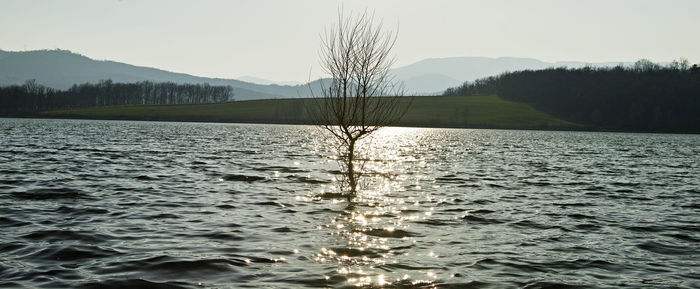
361	96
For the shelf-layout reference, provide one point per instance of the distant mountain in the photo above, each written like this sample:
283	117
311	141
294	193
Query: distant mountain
258	80
434	75
61	69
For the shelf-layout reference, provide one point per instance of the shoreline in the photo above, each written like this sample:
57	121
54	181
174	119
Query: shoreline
470	112
406	125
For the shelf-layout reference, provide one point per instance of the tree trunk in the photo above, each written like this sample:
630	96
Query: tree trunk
352	178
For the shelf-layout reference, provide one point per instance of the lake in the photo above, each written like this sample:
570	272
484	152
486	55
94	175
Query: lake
116	204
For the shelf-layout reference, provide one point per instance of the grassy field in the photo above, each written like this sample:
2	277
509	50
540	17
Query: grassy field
428	111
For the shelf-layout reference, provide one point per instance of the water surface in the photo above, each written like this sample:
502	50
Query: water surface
110	204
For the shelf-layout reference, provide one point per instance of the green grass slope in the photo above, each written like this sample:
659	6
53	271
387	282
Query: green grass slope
478	111
429	111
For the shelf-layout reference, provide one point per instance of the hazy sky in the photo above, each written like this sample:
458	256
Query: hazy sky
279	40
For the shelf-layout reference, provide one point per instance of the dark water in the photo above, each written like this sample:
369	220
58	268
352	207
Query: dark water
102	204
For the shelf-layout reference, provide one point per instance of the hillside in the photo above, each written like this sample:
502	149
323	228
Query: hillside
426	111
646	97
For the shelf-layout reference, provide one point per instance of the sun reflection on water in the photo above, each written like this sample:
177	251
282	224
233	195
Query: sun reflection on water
373	229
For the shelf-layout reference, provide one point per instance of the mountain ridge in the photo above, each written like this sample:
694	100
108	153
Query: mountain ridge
478	67
61	69
73	68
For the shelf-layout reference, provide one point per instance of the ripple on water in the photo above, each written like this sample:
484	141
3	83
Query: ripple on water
667	249
67	253
44	194
473	219
243	178
389	233
11	222
135	283
91	237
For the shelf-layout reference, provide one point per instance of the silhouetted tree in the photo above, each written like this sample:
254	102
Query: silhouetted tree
361	97
32	97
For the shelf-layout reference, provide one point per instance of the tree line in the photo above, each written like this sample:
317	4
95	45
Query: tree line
33	97
642	97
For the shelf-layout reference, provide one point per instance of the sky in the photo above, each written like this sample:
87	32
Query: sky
280	40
